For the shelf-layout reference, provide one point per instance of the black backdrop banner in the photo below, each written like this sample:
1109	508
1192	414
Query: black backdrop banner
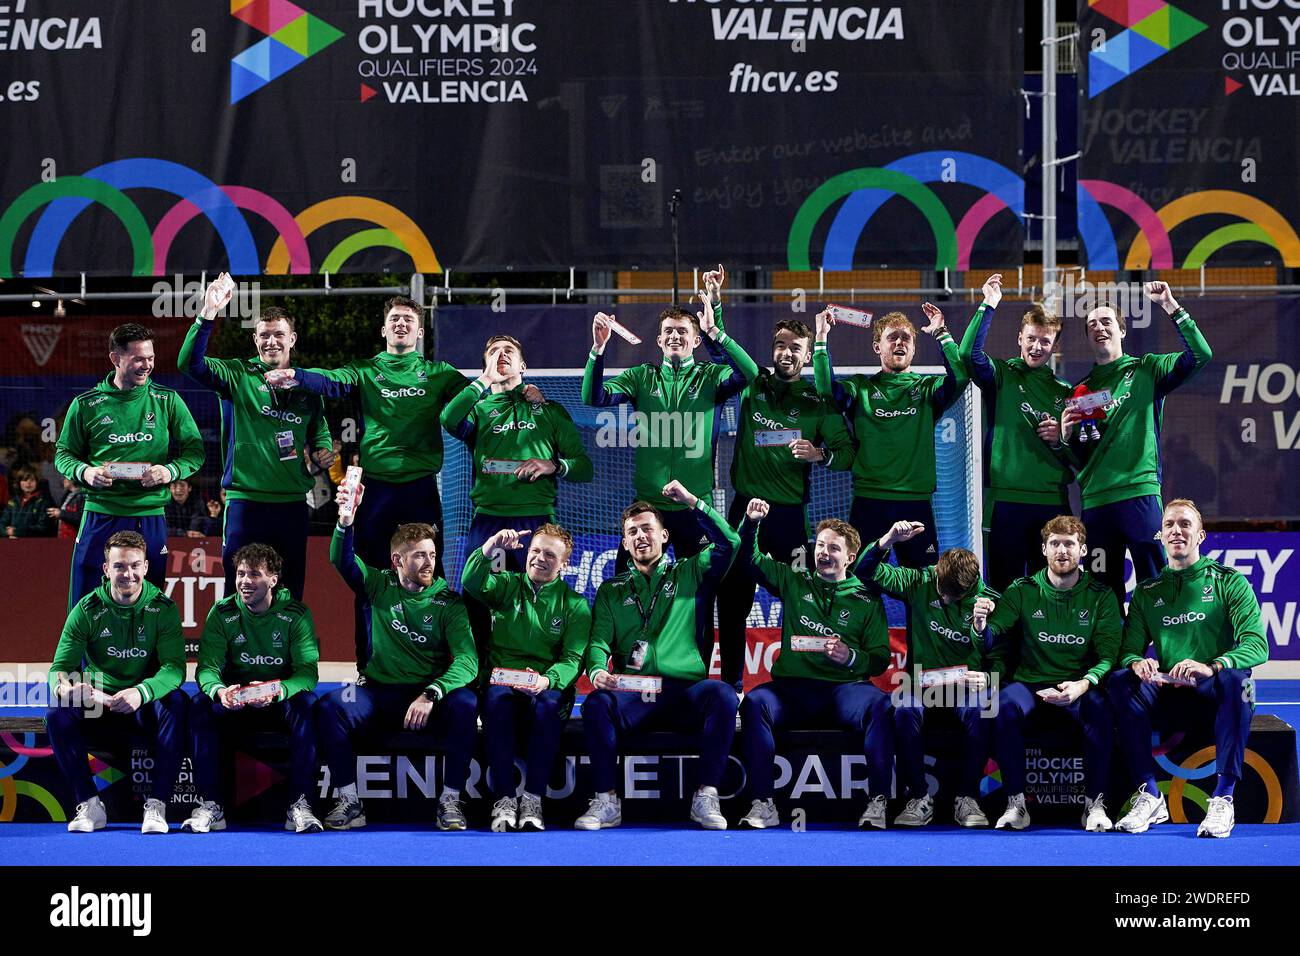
154	137
1190	130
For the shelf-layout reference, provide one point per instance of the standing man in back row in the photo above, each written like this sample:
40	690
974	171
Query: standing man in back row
784	431
893	414
401	393
125	418
264	432
1119	473
520	448
1026	478
682	401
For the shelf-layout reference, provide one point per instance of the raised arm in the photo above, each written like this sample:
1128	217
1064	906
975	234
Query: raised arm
765	569
595	390
712	562
874	565
1175	368
192	360
955	378
456	417
839	395
974	359
479	581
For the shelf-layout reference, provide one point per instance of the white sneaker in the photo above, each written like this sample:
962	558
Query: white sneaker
967	813
155	817
762	814
918	812
874	815
300	818
1219	818
205	817
604	811
1095	819
90	816
505	815
706	809
1015	816
530	812
1148	809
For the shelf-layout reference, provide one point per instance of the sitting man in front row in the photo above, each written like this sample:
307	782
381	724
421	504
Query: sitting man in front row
420	662
834	637
1056	634
1202	619
540	629
119	664
949	606
258	639
655	621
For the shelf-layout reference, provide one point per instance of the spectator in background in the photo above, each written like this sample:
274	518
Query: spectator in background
181	510
27	514
207	524
68	513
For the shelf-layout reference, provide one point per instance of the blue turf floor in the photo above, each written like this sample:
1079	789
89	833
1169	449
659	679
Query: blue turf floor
1165	845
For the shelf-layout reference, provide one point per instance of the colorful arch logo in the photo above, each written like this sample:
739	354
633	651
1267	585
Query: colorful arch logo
860	193
292	36
224	207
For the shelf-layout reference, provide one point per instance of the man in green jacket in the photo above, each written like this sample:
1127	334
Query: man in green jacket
784	431
1200	621
519	448
119	664
1118	456
540	626
654	621
1026	475
401	394
677	407
257	635
264	433
948	605
1057	634
127	418
893	414
419	666
826	686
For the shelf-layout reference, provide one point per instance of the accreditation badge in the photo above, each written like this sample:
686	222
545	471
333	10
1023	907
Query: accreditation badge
285	446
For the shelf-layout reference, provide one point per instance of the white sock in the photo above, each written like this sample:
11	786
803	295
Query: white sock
533	795
348	793
450	794
709	791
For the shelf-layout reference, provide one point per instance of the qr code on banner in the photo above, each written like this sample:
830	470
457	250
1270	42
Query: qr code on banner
627	201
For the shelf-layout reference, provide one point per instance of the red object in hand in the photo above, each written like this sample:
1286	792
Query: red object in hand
1096	414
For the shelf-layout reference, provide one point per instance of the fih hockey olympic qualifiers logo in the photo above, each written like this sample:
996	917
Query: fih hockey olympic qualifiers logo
292	36
1153	28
